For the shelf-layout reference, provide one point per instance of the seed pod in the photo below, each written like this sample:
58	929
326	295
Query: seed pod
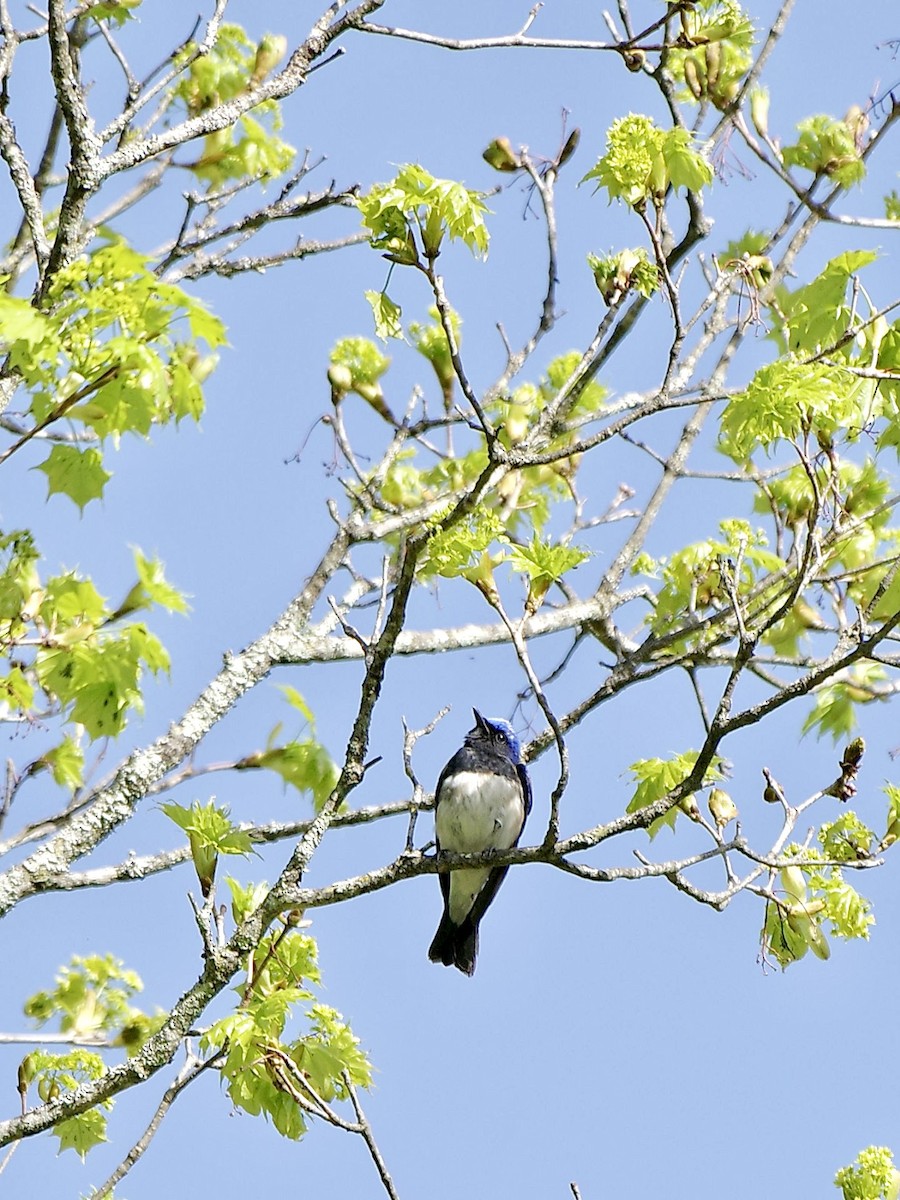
712	53
759	110
794	882
804	926
688	19
692	76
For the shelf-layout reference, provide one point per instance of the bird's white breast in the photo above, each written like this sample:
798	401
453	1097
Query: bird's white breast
476	812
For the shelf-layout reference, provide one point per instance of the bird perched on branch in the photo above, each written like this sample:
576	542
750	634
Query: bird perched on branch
482	800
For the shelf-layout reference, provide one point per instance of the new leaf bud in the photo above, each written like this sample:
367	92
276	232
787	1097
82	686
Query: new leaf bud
772	793
501	156
269	53
688	804
722	808
853	754
571	145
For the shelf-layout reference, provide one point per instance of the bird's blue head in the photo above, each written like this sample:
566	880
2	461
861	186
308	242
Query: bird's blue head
498	733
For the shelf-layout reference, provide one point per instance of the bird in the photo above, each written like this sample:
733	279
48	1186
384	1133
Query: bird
482	800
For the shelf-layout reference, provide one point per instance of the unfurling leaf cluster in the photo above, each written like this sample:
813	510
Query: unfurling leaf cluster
67	651
230	68
113	351
658	777
872	1176
642	161
286	1081
705	576
211	832
54	1075
629	270
409	218
91	999
826	385
827	147
812	893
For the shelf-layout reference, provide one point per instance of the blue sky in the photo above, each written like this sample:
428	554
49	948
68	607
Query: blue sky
618	1036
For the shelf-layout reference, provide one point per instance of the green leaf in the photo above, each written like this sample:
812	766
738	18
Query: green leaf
92	995
849	913
693	580
387	315
117	11
54	1075
78	474
684	166
152	588
834	710
454	551
27	336
817	315
295	700
210	825
265	1075
431	342
780	939
247	149
70	601
210	833
847	839
785	399
245	899
66	763
657	777
633	144
362	358
82	1132
305	765
100	676
16	690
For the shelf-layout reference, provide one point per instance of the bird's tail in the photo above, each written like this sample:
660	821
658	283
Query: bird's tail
455	945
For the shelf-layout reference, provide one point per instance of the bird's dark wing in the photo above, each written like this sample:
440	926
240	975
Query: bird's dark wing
458	762
522	772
